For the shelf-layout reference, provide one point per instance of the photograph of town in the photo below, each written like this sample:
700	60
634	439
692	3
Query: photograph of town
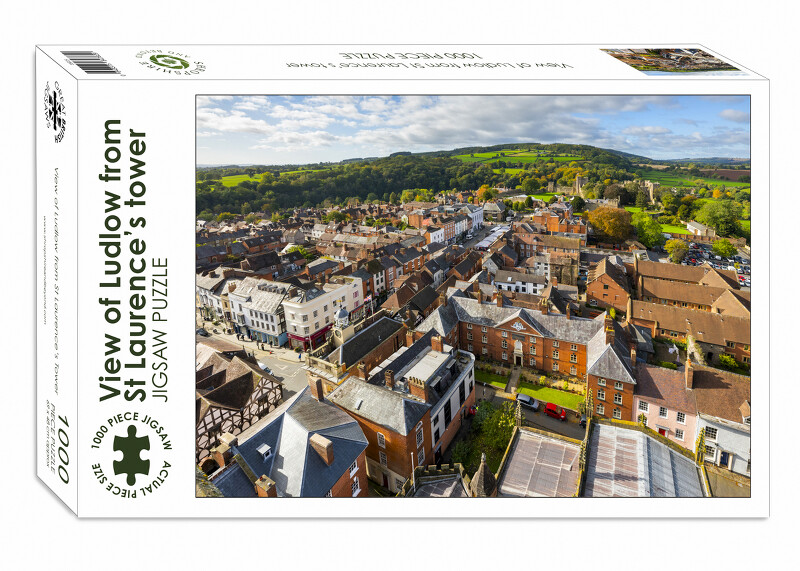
691	61
474	296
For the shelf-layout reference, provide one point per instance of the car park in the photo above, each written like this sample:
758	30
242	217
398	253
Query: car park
556	411
528	402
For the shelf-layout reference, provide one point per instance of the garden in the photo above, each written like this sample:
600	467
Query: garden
489	434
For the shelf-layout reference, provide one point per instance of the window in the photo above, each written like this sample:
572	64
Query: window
573	347
316	325
555	343
504	344
325	308
711	433
746	359
617	398
483	339
382	455
532	361
436	436
711	452
355	487
573	370
483	329
469	347
329	494
421	457
484	351
617	414
555	366
533	340
398	484
381	440
601	382
419	435
505	356
678	434
469	325
618	385
644	406
355	295
573	358
305	318
327	319
461	396
555	354
469	336
601	394
682	417
305	329
730	344
315	312
353	468
601	409
504	333
662	412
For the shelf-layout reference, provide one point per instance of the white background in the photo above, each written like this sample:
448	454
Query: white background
39	531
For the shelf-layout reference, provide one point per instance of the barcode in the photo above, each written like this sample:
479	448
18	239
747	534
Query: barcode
91	62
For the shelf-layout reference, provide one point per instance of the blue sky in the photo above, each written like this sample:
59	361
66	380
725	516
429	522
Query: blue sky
298	130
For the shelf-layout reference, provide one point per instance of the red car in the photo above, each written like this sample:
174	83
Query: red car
555	411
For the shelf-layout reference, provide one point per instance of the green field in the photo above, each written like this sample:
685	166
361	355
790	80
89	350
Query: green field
672	229
546	394
236	179
673	179
512	155
508	171
633	209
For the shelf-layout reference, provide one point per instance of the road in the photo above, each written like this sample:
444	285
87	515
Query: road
284	363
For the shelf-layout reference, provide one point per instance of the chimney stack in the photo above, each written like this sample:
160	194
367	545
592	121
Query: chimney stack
569	310
323	447
231	286
418	388
265	487
608	324
632	347
442	300
553	281
499	298
362	371
409	338
317	390
689	374
389	376
544	306
437	344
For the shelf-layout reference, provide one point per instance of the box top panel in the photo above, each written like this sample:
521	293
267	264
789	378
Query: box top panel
400	62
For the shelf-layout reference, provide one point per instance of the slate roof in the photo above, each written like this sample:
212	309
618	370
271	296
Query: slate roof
442	320
610	361
379	405
604	267
627	463
423	299
355	348
508	276
294	466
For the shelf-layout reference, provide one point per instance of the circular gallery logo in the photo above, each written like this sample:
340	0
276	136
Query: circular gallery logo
129	455
55	114
171	62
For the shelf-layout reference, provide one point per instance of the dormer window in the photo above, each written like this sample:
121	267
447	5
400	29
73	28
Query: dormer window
265	450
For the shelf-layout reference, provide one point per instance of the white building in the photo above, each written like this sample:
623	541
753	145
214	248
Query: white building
257	306
311	313
435	234
518	282
474	212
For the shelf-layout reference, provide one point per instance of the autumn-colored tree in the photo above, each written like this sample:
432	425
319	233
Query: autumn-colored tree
677	249
485	193
611	223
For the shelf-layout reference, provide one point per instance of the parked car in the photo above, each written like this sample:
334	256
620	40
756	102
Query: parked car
555	411
528	402
266	369
202	332
583	421
747	282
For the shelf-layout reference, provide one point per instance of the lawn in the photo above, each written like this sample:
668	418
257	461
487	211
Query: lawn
633	209
545	196
547	394
672	229
491	379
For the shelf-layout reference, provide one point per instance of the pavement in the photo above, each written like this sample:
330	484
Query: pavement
284	363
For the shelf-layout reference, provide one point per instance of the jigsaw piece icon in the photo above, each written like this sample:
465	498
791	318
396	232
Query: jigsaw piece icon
131	463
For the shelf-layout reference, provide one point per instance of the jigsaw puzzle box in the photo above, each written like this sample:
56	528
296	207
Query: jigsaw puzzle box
333	280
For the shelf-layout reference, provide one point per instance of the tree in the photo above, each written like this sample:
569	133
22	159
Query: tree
648	230
611	223
252	218
722	216
578	204
206	215
335	216
225	216
393	198
529	202
677	249
552	199
641	199
723	248
302	251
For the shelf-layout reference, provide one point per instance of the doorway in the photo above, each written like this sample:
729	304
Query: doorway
724	457
662	431
518	360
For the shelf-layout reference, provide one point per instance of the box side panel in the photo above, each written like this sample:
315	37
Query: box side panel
56	278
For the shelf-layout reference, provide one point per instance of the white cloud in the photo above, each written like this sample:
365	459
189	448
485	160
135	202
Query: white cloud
735	115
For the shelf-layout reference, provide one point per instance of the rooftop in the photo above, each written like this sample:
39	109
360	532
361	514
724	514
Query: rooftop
539	466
